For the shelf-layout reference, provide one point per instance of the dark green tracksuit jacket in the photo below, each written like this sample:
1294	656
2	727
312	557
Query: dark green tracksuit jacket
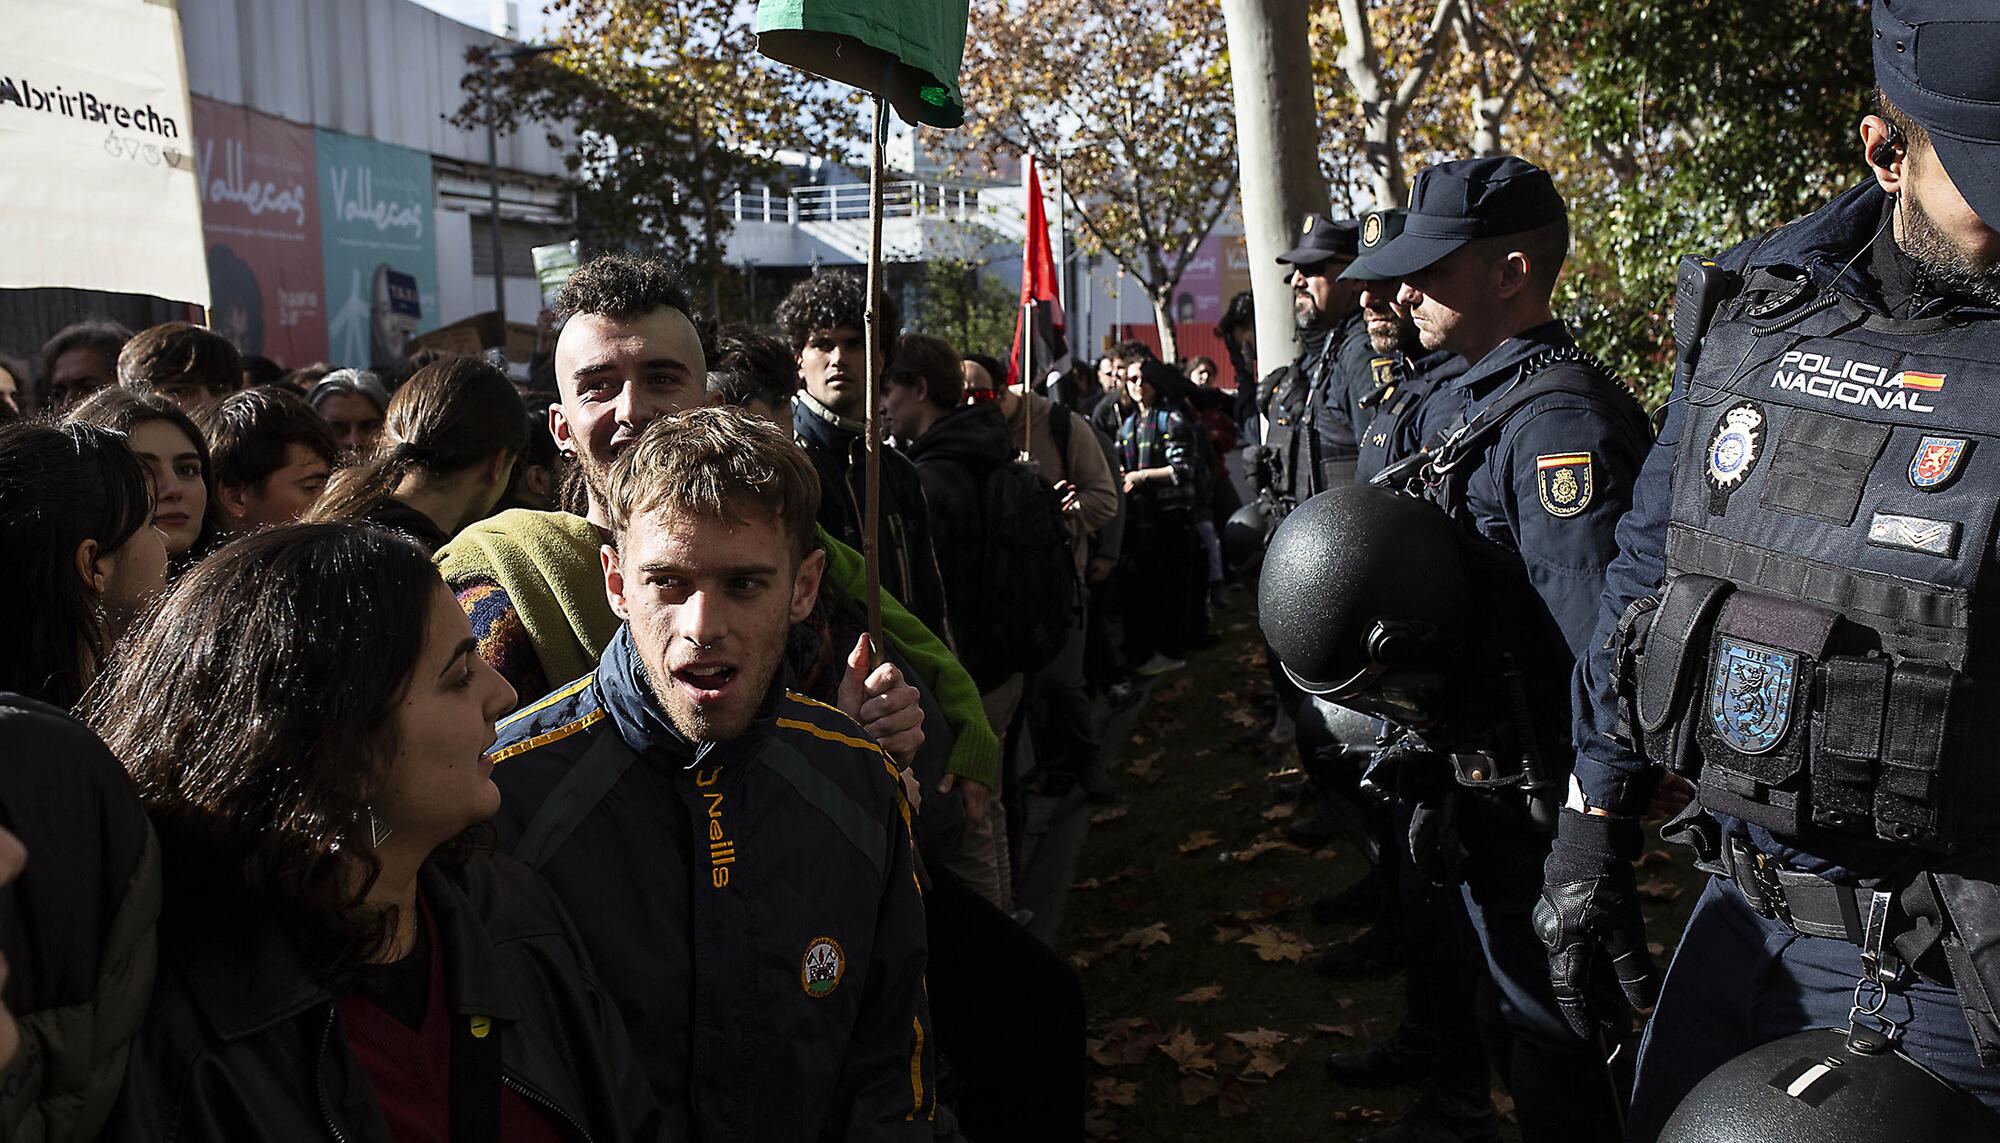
752	905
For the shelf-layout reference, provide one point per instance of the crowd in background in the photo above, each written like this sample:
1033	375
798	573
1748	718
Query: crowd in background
266	621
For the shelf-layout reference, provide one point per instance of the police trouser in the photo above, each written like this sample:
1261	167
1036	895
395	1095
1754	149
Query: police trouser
1739	980
1442	964
1563	1092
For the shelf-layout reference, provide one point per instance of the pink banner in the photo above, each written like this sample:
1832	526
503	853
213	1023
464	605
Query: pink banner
260	217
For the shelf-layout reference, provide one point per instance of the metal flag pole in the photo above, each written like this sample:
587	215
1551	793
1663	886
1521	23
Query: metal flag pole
871	535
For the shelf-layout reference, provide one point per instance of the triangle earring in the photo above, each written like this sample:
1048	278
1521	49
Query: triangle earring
378	830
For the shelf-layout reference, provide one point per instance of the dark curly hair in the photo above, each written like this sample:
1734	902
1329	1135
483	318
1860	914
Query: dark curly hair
831	299
751	365
622	287
256	714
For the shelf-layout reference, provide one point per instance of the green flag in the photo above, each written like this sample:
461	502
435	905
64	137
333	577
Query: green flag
907	50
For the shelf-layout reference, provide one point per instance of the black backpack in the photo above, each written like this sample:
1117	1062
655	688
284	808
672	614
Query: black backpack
1027	571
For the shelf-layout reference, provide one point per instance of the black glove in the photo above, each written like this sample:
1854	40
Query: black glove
1588	903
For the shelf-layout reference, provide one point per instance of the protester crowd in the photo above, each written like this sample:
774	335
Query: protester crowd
394	754
451	755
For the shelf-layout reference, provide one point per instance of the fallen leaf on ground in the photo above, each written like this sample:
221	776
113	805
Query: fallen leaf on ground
1334	1029
1229	1055
1255	850
1176	689
1147	937
1109	815
1280	812
1109	1090
1276	902
1189	1053
1360	1114
1199	839
1260	1038
1273	943
1127	1041
1202	995
1142	768
1244	718
1097	1127
1266	1064
1229	792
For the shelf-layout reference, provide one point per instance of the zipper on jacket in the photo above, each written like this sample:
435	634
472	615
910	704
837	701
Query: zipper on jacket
520	1088
319	1077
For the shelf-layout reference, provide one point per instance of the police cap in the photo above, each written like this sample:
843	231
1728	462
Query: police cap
1321	238
1938	61
1378	229
1454	203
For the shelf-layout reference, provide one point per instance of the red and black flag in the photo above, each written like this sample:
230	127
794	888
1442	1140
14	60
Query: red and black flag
1040	344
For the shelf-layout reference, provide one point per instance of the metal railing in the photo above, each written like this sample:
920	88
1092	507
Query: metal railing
849	201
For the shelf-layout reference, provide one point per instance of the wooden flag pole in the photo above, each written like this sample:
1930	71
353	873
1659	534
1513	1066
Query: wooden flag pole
871	535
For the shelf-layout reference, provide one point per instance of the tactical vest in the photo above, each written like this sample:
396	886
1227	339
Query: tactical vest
1817	658
1397	394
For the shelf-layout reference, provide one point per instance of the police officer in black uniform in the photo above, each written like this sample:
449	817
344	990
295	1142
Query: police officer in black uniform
1391	378
1390	375
1536	469
1797	617
1307	436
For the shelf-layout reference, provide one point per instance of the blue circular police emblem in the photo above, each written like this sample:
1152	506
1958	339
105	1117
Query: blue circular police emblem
1734	447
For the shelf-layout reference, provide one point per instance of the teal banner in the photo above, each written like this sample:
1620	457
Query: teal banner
380	249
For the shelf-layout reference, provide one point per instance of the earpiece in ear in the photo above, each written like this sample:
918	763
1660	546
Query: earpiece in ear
1885	153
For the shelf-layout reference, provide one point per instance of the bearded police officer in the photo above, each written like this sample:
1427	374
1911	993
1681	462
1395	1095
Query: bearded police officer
1304	440
1796	616
1390	378
1390	375
1535	469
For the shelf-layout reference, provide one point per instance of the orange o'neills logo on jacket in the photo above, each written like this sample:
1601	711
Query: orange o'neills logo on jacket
721	847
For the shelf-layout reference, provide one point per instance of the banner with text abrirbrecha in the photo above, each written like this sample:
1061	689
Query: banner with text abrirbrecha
97	168
376	216
260	212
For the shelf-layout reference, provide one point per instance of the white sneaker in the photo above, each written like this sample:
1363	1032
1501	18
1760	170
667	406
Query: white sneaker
1158	665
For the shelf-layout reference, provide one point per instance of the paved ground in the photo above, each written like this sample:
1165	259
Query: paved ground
1185	911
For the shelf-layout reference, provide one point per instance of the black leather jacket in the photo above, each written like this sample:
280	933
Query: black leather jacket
242	1043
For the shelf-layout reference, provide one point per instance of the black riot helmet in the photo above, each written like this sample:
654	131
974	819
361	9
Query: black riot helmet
1244	535
1364	597
1828	1084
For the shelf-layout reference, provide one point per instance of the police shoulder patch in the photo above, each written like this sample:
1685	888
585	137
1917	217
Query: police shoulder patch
1936	462
1563	480
822	967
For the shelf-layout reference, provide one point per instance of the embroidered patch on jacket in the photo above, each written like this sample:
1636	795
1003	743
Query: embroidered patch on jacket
1937	462
1750	695
1914	534
1735	446
822	967
1563	480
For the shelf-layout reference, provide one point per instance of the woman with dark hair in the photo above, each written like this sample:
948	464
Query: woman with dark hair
1161	460
340	954
448	447
78	553
184	508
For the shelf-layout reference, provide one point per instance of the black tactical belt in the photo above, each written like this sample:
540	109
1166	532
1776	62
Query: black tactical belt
1809	904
